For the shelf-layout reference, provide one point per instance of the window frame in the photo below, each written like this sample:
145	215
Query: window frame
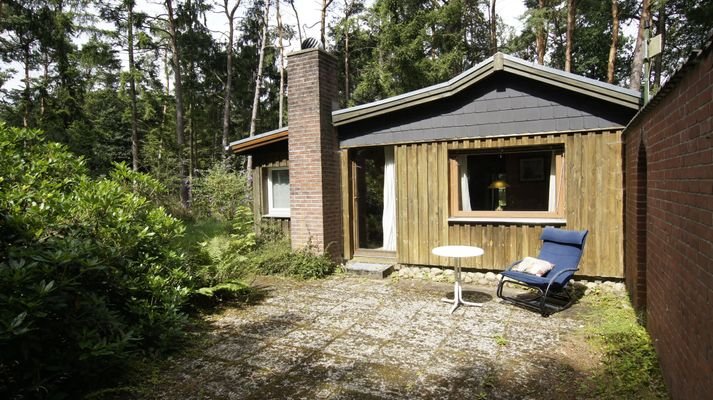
274	211
454	185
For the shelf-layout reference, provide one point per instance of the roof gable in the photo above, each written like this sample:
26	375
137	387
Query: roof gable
500	105
498	62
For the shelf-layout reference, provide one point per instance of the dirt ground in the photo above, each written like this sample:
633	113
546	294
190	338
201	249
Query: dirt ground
354	338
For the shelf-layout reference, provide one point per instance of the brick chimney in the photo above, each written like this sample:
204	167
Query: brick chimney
315	200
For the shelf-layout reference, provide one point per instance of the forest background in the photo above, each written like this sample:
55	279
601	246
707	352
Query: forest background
185	89
114	117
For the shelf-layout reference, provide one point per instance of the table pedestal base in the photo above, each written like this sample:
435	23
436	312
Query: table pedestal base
458	252
458	298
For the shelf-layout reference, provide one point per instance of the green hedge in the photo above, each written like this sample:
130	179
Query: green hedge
91	271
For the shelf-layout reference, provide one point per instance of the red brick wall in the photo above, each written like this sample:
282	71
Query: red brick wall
669	248
635	209
315	201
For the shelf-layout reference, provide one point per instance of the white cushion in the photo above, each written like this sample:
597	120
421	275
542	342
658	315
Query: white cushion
534	266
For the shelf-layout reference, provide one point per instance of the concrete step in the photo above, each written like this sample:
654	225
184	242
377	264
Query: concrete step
373	260
369	270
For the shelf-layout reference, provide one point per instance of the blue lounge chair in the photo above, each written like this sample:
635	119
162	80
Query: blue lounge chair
560	247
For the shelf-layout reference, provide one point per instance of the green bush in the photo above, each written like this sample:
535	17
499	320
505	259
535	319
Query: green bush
306	263
277	258
91	271
272	258
224	257
220	193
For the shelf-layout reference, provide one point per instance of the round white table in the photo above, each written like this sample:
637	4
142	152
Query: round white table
458	252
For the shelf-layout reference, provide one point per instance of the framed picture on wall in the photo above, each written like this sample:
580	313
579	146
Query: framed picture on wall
532	169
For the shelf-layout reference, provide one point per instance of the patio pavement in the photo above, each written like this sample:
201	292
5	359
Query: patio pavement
353	338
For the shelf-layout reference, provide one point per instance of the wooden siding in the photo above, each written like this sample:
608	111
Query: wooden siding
347	198
593	175
261	164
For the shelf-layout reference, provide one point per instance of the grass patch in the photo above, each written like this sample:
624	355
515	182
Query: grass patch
501	341
204	230
630	364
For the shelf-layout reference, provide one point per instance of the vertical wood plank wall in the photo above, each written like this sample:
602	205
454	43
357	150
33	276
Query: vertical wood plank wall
260	193
347	199
593	175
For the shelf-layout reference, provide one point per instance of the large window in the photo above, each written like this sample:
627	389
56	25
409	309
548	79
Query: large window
508	183
278	192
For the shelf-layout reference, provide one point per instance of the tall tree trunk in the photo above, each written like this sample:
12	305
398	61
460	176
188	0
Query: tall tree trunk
26	113
164	116
493	28
165	106
347	93
325	4
611	65
558	41
178	93
541	36
297	18
191	148
166	73
660	30
258	81
229	75
45	80
571	14
638	62
280	32
348	10
61	33
191	130
132	88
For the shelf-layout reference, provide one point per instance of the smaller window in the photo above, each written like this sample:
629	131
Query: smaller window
278	192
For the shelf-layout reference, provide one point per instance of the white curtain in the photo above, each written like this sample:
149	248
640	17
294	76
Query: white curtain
553	185
388	219
464	185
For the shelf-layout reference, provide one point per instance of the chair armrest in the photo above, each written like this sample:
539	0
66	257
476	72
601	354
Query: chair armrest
552	280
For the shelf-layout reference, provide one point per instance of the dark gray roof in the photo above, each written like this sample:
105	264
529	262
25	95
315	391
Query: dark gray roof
502	104
498	62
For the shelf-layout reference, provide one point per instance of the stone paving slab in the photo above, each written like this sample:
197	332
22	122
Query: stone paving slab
355	338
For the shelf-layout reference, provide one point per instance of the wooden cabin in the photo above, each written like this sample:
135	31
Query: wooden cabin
487	158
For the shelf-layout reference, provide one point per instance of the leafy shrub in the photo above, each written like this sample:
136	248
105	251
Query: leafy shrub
90	271
141	184
277	258
227	253
225	262
220	193
306	263
273	258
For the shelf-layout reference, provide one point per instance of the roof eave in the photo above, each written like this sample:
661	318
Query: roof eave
416	97
624	97
244	145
